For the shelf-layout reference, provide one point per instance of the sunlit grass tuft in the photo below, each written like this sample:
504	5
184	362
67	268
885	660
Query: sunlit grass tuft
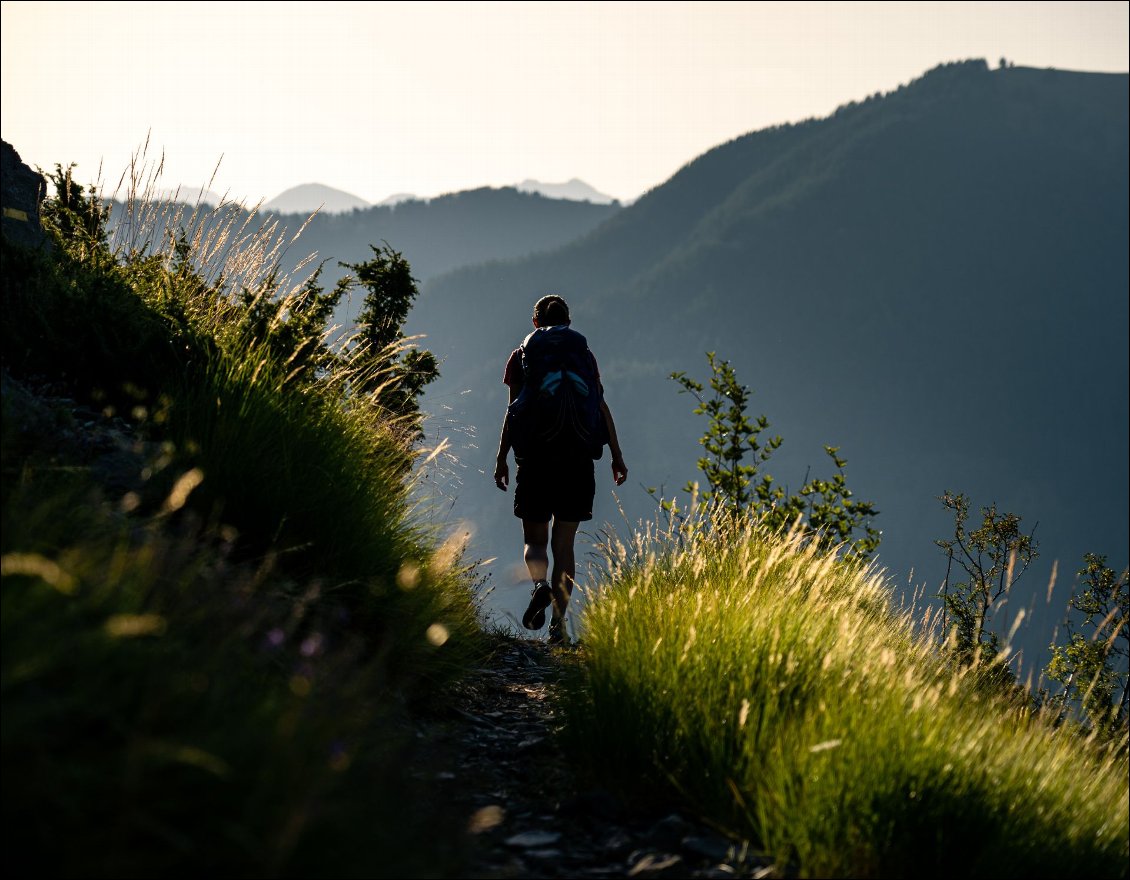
776	689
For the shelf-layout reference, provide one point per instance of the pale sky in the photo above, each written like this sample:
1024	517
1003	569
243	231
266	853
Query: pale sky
425	98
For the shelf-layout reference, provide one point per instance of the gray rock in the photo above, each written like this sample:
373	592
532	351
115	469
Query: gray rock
618	844
714	849
21	192
543	853
533	839
668	832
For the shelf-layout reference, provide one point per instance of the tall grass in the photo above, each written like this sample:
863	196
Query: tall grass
168	710
209	659
776	689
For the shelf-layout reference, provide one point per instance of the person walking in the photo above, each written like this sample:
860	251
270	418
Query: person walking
557	422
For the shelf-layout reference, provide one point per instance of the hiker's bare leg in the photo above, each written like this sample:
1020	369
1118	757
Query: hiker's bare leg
536	536
564	565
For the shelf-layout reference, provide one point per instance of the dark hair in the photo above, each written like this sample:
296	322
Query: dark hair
551	310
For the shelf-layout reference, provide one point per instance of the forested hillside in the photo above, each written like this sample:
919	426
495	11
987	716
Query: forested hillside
934	280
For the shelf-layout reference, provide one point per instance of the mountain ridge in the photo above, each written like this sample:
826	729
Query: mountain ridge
574	189
858	270
307	198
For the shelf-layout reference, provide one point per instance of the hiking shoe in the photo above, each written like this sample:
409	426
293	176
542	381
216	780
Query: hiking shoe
534	618
557	633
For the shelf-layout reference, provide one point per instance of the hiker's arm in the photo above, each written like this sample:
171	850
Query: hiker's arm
501	469
619	469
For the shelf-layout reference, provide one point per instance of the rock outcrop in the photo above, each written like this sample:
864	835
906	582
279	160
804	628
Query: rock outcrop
21	192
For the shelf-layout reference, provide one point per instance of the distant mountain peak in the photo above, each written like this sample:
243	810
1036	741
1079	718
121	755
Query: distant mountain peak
397	198
575	190
185	195
309	197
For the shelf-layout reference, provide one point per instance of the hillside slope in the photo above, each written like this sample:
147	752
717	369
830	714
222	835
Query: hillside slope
934	280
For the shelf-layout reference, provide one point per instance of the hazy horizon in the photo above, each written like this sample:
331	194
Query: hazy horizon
376	99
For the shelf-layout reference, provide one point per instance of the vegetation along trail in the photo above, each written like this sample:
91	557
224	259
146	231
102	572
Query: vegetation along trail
529	812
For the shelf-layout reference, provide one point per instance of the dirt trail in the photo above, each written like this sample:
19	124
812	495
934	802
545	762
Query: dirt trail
529	815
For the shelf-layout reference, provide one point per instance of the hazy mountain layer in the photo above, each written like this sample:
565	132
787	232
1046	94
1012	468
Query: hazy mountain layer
574	189
310	197
436	235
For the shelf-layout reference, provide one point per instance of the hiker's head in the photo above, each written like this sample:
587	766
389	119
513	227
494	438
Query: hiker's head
549	311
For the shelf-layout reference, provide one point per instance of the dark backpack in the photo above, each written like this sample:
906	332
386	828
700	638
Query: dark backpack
558	410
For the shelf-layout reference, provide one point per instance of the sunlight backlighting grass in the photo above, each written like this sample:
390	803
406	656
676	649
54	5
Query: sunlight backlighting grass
220	607
776	689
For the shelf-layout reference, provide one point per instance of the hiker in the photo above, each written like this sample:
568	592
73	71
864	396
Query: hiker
557	423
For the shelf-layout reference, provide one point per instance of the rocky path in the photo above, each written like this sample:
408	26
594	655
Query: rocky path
528	814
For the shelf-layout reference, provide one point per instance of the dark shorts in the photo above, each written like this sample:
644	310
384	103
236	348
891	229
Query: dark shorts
555	488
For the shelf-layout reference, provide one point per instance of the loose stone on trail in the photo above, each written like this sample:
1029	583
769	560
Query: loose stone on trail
486	818
533	838
529	814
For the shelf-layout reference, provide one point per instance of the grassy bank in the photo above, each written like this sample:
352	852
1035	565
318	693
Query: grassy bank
218	614
775	690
